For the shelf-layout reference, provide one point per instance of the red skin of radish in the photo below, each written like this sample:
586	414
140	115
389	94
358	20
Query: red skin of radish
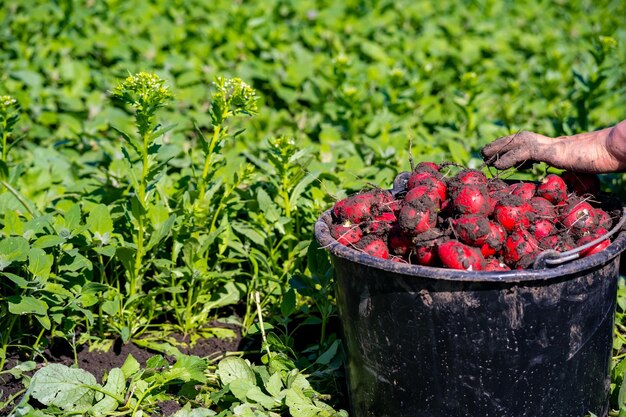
513	213
592	236
526	190
581	183
494	241
496	184
455	255
492	264
520	249
426	167
346	235
549	242
471	176
553	189
424	191
471	229
399	243
362	207
419	178
579	216
429	180
604	220
381	224
395	206
425	255
543	208
377	248
464	178
417	218
543	228
472	199
355	209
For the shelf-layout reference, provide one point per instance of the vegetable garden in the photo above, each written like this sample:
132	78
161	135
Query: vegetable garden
163	164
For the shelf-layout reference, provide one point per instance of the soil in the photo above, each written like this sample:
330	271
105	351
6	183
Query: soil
99	362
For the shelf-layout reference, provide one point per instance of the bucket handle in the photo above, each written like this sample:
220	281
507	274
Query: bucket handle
550	257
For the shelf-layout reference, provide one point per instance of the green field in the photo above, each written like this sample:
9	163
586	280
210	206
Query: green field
182	200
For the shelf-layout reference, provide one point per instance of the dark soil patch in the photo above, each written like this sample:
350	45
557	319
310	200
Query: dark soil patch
99	362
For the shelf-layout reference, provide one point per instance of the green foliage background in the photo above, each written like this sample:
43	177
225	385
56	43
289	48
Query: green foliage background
354	78
343	87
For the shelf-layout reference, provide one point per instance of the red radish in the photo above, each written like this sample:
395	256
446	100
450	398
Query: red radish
542	208
433	181
417	216
346	234
426	167
425	255
513	211
471	176
471	229
543	228
494	241
394	206
493	226
604	220
456	255
424	191
381	224
399	243
472	199
375	247
496	184
580	183
492	264
526	190
520	248
421	177
553	189
355	209
362	207
549	242
579	216
464	178
597	247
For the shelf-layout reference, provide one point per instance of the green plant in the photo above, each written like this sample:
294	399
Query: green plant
234	385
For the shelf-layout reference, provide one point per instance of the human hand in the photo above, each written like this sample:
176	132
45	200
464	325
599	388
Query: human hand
593	152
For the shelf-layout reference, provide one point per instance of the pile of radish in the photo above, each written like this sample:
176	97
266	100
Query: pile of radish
467	221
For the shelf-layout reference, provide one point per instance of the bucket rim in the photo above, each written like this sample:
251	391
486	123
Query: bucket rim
326	241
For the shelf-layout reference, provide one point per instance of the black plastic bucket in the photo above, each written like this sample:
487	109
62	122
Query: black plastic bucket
434	342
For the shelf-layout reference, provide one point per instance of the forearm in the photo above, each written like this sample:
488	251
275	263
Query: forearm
584	152
616	143
594	152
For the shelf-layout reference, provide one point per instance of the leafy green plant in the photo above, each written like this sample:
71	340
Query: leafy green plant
234	386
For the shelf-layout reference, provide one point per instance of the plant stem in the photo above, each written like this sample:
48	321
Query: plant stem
257	301
140	218
5	135
5	340
207	160
140	399
19	197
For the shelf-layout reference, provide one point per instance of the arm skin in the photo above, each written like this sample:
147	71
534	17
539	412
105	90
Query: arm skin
593	152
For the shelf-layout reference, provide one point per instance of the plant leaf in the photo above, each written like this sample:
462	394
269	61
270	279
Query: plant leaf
130	367
116	384
19	304
64	387
13	249
39	264
230	369
188	368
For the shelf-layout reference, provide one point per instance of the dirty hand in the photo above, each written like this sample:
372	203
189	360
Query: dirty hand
593	152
